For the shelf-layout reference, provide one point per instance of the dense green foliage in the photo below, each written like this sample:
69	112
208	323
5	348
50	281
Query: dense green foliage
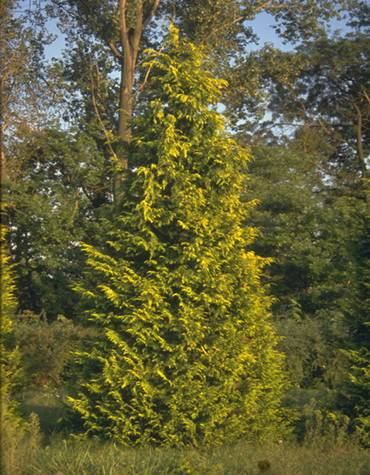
188	354
9	354
313	218
14	431
315	239
172	240
53	206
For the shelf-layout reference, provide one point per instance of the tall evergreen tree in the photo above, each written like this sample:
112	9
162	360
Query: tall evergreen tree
187	352
18	436
10	422
9	362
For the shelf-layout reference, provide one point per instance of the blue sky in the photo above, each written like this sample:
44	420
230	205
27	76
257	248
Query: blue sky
262	25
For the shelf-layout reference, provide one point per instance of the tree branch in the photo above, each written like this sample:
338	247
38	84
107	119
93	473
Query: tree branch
107	135
364	92
114	50
123	27
360	149
138	30
147	74
151	13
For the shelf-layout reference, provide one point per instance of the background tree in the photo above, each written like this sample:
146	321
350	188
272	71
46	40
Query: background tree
26	112
308	174
22	92
330	91
122	28
315	240
119	26
56	202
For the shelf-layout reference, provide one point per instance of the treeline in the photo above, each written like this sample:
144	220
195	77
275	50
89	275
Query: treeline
174	275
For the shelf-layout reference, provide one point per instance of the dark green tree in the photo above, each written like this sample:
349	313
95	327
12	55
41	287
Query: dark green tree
187	352
42	179
56	198
310	176
356	392
330	90
315	239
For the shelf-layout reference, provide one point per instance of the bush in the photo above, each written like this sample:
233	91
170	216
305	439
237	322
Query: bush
46	348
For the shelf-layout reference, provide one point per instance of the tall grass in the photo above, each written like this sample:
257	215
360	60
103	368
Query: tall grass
27	451
19	441
64	457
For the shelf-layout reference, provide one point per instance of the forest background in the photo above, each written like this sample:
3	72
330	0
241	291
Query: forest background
69	152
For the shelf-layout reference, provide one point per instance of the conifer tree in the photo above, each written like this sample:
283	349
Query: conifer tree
18	436
9	362
187	351
10	423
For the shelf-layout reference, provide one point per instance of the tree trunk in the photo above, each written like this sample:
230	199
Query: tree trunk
3	13
360	150
2	153
130	38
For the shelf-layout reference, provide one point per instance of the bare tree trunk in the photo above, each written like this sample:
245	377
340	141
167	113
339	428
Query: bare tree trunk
127	53
360	148
2	153
130	40
3	13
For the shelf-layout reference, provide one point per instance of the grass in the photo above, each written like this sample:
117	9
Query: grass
58	456
63	457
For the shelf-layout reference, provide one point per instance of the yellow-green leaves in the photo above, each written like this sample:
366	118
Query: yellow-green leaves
9	355
188	353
